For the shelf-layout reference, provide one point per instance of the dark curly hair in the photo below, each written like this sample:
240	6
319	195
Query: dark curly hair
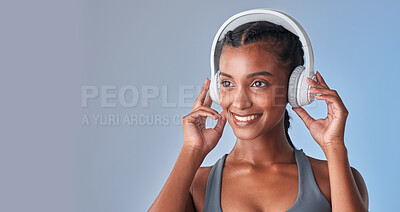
281	43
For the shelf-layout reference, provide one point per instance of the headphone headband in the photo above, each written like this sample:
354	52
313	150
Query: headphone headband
273	16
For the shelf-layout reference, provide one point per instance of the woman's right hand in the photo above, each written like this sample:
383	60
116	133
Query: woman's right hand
195	134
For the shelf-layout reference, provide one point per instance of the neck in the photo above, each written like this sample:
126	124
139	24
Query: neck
267	149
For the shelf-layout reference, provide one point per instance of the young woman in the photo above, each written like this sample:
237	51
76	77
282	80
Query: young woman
264	171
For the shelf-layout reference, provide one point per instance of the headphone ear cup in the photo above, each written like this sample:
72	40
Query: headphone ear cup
293	87
214	88
298	90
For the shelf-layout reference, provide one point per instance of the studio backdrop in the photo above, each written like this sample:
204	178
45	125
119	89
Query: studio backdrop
93	93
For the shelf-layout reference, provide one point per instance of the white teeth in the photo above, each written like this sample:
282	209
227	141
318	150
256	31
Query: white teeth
247	118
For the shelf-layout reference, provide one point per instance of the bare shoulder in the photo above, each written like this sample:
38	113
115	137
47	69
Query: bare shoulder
200	178
198	187
319	166
321	174
362	187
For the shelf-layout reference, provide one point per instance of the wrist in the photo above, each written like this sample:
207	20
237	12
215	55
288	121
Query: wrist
194	151
336	148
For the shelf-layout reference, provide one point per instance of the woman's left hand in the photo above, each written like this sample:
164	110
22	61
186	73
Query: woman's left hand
330	130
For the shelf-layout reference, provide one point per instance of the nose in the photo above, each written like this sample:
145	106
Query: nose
241	99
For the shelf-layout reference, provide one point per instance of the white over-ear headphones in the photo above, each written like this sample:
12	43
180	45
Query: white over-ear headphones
298	90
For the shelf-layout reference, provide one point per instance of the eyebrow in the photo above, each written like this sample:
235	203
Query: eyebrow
264	73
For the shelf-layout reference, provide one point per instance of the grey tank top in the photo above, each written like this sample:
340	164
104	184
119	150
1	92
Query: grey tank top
309	197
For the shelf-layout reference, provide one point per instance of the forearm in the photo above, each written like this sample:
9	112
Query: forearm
344	192
174	193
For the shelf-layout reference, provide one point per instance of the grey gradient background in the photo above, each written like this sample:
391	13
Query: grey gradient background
49	161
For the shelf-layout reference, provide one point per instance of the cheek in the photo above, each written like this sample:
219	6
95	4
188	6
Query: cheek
275	96
263	99
279	95
224	99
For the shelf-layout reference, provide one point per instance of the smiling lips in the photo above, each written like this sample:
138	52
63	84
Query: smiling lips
245	120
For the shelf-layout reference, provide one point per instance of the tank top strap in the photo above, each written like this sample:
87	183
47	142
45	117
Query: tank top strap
309	192
213	189
306	177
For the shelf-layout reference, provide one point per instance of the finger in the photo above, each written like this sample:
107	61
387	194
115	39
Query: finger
334	105
200	99
199	114
321	80
314	84
307	119
208	101
323	91
219	127
203	107
335	100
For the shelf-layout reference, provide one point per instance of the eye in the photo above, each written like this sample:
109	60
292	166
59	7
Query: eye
260	84
226	83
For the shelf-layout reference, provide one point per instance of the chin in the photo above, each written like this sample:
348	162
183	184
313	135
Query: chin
246	134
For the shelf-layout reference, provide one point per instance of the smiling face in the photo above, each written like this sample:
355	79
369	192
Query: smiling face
253	90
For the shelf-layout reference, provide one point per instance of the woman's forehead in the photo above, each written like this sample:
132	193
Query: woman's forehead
248	59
